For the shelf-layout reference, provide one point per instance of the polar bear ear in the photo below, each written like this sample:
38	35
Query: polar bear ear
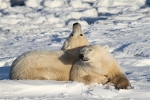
106	47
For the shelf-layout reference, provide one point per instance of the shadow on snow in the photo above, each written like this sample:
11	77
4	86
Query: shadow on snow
4	72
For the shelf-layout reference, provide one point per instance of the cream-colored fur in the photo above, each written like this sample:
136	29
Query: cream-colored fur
98	65
75	39
44	65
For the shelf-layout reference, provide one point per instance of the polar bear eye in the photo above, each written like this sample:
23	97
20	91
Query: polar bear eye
90	49
81	34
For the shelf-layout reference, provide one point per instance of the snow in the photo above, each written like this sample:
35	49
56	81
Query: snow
45	24
53	3
33	3
78	4
4	4
110	3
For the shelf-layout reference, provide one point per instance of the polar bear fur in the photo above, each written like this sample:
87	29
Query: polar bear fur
75	39
98	65
44	65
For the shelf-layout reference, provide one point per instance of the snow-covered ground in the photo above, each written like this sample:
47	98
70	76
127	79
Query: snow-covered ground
124	25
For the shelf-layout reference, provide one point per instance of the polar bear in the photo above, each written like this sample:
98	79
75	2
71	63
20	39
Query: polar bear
96	64
75	39
44	65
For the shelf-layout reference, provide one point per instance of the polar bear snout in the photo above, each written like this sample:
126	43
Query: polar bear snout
77	28
75	25
81	56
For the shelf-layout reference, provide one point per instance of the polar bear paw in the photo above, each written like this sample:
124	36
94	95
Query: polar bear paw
123	84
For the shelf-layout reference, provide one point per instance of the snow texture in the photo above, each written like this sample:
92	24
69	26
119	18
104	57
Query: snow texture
124	25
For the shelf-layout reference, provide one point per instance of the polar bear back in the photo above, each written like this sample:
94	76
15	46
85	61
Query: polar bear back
76	39
50	65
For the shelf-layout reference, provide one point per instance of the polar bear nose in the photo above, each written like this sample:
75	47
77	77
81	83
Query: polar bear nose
81	56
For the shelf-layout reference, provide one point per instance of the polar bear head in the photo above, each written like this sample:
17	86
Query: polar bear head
93	53
75	39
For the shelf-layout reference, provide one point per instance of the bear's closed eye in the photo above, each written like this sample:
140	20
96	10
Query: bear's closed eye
90	49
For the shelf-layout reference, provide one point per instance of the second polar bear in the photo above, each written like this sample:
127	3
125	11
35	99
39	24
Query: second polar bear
97	65
75	39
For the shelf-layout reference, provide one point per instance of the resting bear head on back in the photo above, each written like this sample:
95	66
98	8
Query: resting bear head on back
93	53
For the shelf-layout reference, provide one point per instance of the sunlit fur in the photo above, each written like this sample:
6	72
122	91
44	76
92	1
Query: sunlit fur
75	39
44	65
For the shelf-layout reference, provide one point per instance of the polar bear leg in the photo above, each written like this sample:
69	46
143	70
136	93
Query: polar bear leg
88	79
121	82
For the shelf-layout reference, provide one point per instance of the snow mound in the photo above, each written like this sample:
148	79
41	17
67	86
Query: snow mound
90	13
4	4
33	3
53	3
33	88
111	3
74	15
53	19
86	13
78	4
